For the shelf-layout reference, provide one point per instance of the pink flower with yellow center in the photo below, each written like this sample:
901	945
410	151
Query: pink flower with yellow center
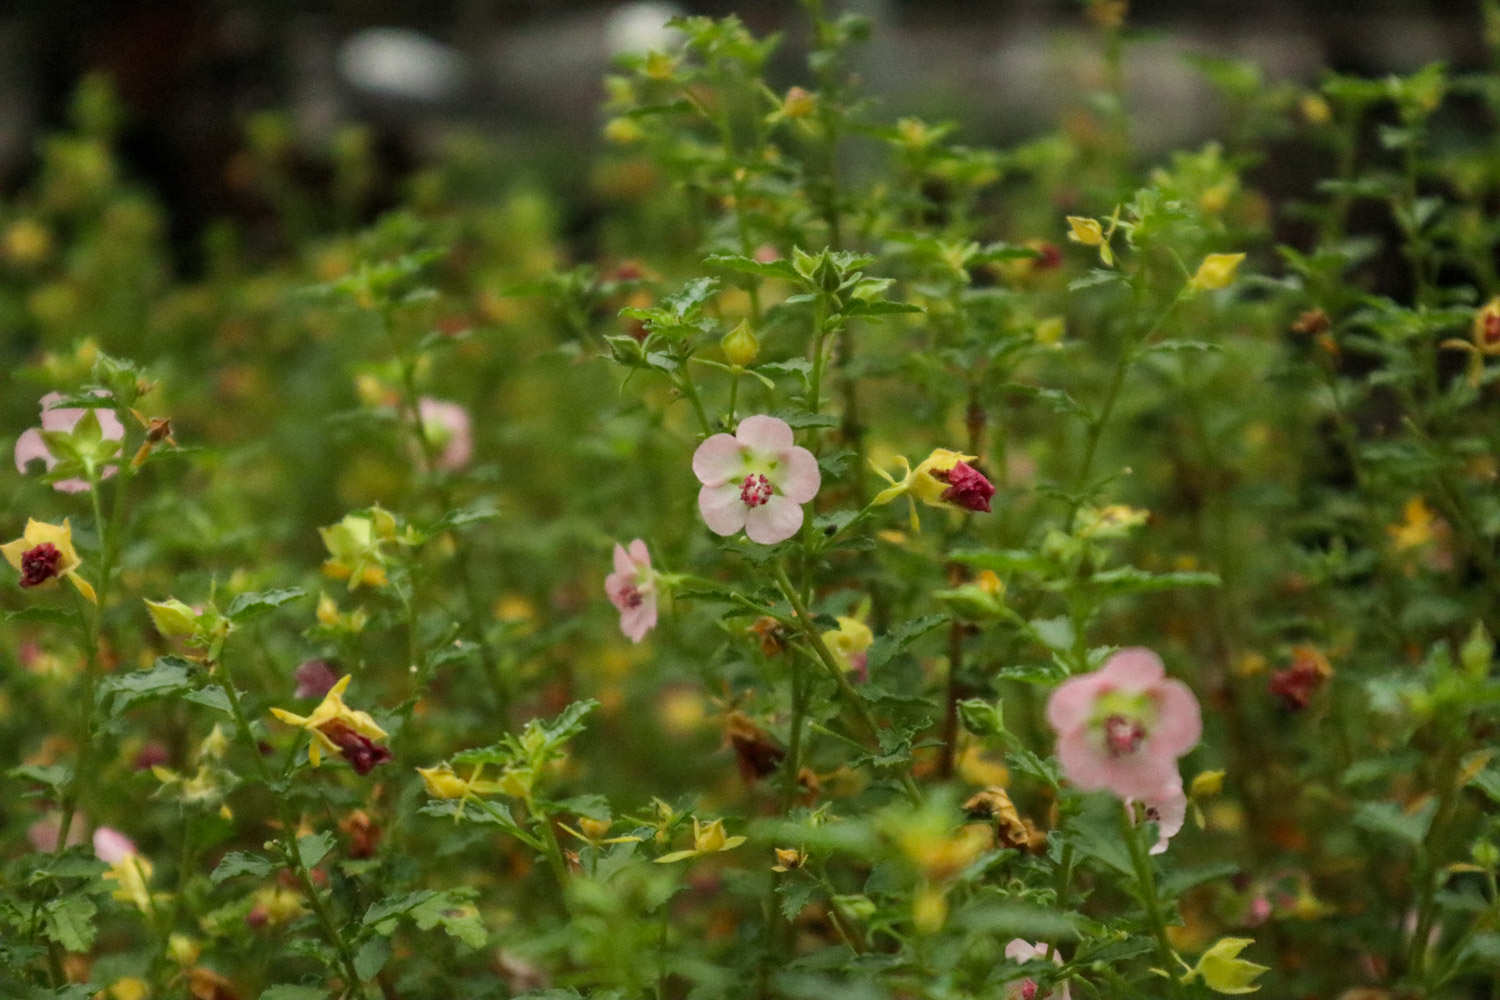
757	479
1121	728
632	590
31	446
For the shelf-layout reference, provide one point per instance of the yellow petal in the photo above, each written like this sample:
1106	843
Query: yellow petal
84	587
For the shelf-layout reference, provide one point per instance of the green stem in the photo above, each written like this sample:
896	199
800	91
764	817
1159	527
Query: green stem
289	839
1145	878
690	390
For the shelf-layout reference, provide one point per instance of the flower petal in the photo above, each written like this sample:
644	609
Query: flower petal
639	554
1134	669
30	447
718	458
765	433
637	621
797	475
1072	702
622	562
1179	720
722	509
774	521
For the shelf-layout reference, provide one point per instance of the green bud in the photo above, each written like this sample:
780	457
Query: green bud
971	601
172	618
1485	854
740	345
122	378
982	718
1477	652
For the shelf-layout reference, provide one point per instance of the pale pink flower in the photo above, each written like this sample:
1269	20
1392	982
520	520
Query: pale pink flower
447	425
632	590
315	678
757	480
1167	808
111	846
1021	952
32	447
1122	727
42	834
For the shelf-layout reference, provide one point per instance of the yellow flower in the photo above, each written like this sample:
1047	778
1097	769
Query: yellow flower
708	838
1216	271
1222	970
1415	528
789	859
850	643
335	726
935	483
1091	233
354	549
45	552
442	783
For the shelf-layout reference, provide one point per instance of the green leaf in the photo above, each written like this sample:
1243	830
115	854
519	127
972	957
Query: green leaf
386	911
248	606
1387	818
1003	560
1095	832
314	847
69	920
749	265
897	639
371	957
474	513
170	675
1179	880
1130	580
211	695
289	992
795	895
237	863
1054	633
52	775
453	910
41	615
1018	919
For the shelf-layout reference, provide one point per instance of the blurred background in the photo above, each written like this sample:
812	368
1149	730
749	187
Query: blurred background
526	74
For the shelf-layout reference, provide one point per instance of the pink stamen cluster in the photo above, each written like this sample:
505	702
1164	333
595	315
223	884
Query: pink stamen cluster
755	490
38	565
1122	736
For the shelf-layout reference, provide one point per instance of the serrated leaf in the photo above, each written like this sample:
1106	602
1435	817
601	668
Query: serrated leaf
249	606
237	863
749	265
371	957
170	675
69	920
51	775
1387	818
212	696
795	895
453	910
897	639
386	910
314	847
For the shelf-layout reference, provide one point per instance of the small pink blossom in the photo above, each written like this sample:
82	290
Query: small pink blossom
1021	952
447	425
1122	727
315	678
42	834
1167	808
632	590
756	479
31	446
111	846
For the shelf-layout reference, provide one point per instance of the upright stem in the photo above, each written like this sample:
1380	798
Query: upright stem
1146	879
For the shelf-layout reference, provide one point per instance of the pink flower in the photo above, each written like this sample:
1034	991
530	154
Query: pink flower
447	425
1167	808
632	590
111	846
1020	952
1122	727
756	480
967	487
315	678
42	834
31	446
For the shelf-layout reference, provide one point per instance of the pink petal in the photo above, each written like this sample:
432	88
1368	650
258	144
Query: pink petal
1090	769
78	485
452	420
765	434
1134	669
618	587
622	562
1071	704
639	555
798	476
1170	805
722	509
719	458
774	521
1179	720
639	620
30	447
111	846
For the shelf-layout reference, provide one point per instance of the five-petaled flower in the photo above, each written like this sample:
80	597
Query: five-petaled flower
708	838
45	553
1122	727
632	590
336	727
756	479
31	446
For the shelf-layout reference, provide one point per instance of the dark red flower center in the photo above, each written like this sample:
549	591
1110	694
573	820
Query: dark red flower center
358	750
967	487
631	596
1122	735
39	564
1028	990
1492	327
755	490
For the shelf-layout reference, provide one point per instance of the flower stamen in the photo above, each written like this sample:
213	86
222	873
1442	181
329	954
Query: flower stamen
1122	735
755	490
40	564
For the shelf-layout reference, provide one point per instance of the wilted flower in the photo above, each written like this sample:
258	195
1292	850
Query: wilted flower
632	590
447	426
1021	951
1122	727
756	479
32	444
45	553
335	726
1296	685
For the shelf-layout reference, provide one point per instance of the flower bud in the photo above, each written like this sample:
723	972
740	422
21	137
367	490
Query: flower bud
1216	271
172	618
799	103
740	345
